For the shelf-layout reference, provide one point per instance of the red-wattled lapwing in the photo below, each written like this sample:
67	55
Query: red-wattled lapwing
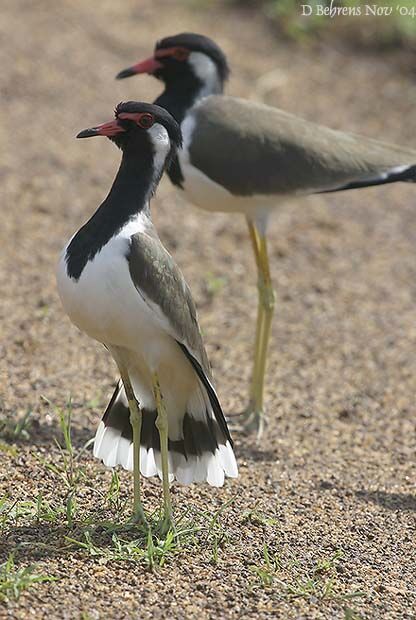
240	156
118	284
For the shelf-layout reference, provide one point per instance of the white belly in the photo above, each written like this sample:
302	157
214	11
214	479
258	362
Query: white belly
105	304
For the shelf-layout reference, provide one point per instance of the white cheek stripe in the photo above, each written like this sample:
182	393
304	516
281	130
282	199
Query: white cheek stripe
161	144
206	70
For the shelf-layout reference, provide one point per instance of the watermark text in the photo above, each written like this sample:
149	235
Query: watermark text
368	10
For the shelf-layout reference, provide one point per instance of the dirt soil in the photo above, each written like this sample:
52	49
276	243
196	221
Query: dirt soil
335	473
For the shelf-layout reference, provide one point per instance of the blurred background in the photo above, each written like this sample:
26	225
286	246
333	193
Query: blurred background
58	66
337	462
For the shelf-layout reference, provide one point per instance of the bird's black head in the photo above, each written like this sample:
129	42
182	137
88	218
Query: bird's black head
182	56
139	126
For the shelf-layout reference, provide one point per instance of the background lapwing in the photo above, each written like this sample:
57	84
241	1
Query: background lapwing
240	156
119	285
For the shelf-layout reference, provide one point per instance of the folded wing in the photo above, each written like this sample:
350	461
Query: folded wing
253	149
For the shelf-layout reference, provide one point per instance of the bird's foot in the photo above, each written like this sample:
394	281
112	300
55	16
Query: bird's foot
139	517
167	525
252	419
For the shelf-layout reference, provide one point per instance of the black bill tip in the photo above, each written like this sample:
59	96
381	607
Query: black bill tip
88	133
125	73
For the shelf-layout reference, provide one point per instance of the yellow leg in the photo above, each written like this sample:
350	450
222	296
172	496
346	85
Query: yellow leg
255	241
136	422
267	301
162	426
255	413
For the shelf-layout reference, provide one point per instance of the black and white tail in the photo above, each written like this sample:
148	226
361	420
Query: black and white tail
396	174
203	453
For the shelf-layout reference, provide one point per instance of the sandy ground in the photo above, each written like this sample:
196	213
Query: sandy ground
336	469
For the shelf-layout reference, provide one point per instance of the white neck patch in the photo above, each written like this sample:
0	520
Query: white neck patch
161	144
206	70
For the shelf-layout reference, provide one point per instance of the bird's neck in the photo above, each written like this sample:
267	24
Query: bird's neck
129	195
181	94
132	189
178	98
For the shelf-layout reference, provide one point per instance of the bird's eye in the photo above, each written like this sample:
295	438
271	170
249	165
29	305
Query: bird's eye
146	121
180	53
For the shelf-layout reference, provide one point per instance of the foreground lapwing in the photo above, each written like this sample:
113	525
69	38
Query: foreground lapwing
119	285
240	156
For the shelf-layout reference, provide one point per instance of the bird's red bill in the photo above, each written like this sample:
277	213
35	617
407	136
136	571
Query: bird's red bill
150	65
109	129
